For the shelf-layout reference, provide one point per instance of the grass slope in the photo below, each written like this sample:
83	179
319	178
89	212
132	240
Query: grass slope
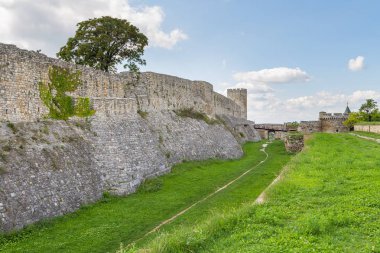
368	123
329	201
368	134
102	226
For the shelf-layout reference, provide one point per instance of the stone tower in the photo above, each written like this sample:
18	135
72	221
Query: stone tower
239	96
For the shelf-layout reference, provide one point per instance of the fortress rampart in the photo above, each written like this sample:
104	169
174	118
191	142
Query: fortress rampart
52	167
112	94
328	122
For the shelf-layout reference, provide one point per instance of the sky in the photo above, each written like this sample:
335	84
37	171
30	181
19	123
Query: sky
295	57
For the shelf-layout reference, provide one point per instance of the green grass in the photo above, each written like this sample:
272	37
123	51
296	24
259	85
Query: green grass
368	134
328	201
368	123
103	226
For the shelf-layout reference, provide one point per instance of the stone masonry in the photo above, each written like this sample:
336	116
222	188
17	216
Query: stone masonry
328	122
112	94
49	168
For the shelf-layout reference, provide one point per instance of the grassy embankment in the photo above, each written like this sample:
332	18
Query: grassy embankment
368	123
103	226
368	134
328	201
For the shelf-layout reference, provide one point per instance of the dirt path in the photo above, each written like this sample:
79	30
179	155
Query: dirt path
366	137
205	198
262	197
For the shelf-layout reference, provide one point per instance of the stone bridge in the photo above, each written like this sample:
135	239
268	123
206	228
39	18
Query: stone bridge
277	130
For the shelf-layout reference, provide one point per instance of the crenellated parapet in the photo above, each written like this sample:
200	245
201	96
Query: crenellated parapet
328	122
332	116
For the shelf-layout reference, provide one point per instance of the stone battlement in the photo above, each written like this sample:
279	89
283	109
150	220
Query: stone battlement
328	122
111	94
334	117
324	115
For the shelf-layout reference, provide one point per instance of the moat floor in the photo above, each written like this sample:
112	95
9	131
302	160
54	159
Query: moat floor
327	201
103	226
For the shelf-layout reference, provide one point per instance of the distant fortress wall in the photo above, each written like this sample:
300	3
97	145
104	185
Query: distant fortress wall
112	94
328	122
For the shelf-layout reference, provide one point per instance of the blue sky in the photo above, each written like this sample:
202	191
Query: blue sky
293	56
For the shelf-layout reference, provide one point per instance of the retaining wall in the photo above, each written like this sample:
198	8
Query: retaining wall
368	128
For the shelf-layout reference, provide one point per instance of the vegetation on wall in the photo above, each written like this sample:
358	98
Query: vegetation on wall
53	95
292	125
295	135
142	113
191	113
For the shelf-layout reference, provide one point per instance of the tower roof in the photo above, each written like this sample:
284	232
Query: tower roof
347	111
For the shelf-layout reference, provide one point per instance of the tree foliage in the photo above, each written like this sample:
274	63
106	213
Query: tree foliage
353	118
369	109
368	112
53	95
104	42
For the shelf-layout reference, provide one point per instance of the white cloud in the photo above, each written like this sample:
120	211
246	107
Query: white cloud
255	87
320	100
260	81
274	75
47	24
264	108
360	95
356	64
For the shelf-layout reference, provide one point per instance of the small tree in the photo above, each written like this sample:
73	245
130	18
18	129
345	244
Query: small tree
104	42
53	95
369	108
352	119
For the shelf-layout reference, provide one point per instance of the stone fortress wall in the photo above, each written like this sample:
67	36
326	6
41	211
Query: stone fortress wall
49	168
333	122
328	122
112	94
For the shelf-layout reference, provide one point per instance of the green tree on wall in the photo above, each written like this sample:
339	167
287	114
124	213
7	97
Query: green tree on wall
104	42
53	95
